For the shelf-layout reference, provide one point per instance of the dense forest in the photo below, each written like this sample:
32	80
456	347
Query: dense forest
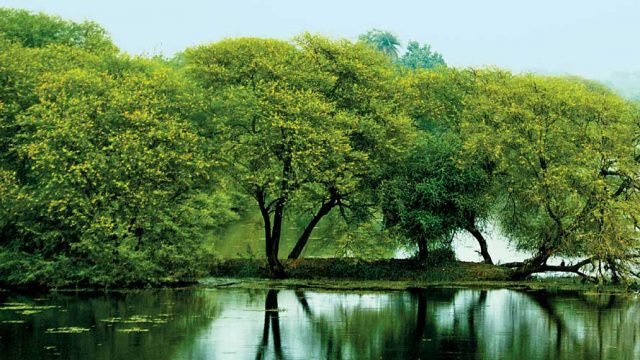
118	170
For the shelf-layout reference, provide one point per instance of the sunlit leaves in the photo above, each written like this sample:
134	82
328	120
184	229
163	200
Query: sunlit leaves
565	151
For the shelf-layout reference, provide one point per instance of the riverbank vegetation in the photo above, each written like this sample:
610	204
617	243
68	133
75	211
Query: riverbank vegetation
121	171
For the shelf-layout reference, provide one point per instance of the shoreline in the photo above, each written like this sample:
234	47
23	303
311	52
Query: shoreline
332	274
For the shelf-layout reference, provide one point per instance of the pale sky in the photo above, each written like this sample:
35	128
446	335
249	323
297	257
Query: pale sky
582	37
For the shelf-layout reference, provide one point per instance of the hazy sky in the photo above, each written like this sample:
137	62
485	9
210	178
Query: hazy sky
583	37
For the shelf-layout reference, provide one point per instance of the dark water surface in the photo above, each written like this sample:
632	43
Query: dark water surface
233	323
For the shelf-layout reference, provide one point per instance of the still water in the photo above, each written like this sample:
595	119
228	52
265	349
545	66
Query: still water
235	323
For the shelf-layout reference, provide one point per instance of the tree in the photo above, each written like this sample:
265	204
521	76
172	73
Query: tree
415	56
383	41
433	195
566	152
441	188
39	30
420	57
308	122
103	177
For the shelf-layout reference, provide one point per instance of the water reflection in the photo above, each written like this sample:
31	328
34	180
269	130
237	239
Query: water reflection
301	324
271	317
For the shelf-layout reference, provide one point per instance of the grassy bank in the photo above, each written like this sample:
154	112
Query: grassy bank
353	269
396	274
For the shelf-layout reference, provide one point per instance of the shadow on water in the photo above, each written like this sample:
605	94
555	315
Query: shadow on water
298	324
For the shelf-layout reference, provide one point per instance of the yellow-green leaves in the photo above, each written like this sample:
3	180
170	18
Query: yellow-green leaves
565	149
102	164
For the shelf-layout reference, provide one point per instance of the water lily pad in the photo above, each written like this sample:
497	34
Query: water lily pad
67	330
138	319
133	330
26	309
30	312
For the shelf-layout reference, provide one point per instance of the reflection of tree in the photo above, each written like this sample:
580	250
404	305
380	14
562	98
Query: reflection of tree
271	318
406	327
326	334
428	338
471	324
595	326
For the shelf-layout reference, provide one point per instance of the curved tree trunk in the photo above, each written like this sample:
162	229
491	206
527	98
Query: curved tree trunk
538	264
530	266
304	238
484	249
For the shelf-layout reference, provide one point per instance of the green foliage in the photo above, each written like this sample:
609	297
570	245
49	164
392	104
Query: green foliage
383	41
432	194
566	149
104	179
420	57
438	189
114	171
414	56
309	122
39	30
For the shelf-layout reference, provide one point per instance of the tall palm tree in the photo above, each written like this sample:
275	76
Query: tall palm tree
382	40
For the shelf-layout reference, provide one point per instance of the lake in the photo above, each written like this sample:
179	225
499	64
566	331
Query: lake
240	323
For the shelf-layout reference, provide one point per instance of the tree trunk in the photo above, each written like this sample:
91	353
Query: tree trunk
274	264
484	249
271	243
304	238
423	251
533	265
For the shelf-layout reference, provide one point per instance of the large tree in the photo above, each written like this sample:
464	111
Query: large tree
312	121
432	195
441	188
103	177
566	151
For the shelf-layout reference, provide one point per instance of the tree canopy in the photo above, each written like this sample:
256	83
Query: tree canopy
39	30
121	171
421	57
305	121
566	150
101	169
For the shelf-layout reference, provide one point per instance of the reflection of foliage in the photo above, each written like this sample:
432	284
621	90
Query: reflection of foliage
431	323
183	313
67	330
